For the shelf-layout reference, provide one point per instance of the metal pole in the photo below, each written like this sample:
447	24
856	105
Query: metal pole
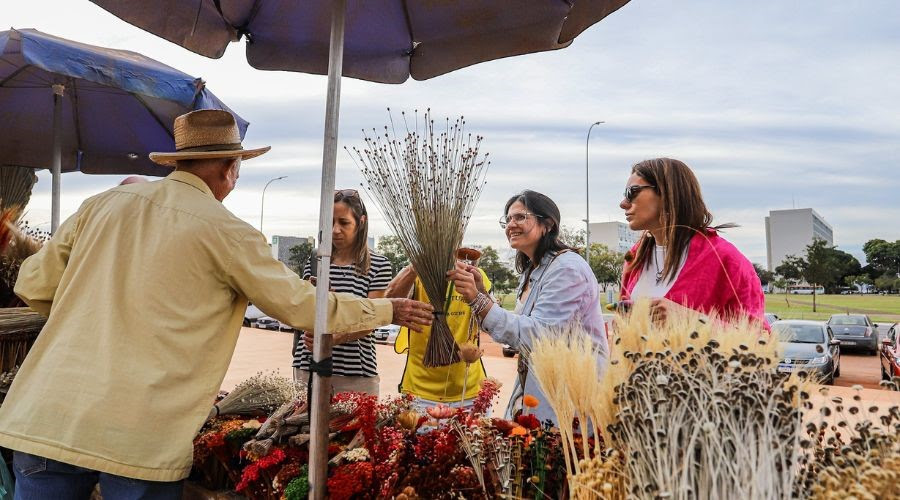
320	399
56	168
587	196
262	205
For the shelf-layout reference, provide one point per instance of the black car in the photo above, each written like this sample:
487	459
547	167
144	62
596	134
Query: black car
809	346
855	331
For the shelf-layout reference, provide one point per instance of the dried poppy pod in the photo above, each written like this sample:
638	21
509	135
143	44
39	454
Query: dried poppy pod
470	353
468	255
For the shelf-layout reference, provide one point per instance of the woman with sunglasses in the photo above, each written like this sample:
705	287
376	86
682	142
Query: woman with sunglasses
356	270
681	261
557	289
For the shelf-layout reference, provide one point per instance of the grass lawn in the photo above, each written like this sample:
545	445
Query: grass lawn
881	308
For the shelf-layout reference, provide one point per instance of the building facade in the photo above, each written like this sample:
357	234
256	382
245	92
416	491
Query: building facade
788	232
617	236
281	245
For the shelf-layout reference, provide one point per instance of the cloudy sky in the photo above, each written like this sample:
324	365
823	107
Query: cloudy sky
774	105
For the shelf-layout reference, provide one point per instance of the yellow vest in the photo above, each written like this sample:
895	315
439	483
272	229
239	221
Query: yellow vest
443	383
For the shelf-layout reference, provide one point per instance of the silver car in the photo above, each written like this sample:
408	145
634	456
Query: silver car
809	346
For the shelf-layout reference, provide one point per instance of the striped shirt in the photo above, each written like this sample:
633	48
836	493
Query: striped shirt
356	358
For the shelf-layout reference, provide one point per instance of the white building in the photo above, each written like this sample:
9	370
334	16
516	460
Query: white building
617	236
788	232
281	245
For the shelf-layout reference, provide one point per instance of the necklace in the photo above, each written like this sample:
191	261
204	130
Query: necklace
659	271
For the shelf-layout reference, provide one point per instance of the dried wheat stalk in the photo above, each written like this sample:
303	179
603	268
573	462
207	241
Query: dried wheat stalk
426	183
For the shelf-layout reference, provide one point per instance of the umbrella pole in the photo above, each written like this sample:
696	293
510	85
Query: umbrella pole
56	168
320	399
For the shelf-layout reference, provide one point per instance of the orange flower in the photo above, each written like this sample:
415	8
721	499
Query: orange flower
530	401
518	430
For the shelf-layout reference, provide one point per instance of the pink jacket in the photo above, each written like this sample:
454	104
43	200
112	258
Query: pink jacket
716	278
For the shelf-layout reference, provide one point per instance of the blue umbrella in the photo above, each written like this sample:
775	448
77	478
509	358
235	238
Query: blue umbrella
70	106
378	40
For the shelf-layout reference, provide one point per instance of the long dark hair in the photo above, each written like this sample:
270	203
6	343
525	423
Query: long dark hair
683	211
543	206
360	249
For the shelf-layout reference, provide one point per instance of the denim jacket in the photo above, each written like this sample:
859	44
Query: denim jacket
563	291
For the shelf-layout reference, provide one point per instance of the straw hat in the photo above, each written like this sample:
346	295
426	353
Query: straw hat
207	133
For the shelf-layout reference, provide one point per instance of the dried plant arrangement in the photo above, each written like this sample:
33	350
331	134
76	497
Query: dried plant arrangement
686	409
426	180
258	395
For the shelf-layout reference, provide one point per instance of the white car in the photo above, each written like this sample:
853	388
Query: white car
386	334
267	323
251	315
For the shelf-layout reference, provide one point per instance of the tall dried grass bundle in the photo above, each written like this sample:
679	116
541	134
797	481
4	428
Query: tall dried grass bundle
426	183
258	395
17	243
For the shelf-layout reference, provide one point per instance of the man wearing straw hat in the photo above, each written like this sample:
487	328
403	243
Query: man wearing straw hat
145	289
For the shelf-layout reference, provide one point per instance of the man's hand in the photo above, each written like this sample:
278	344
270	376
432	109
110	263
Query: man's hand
411	313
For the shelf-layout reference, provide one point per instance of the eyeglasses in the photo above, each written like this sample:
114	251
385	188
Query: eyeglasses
518	218
632	191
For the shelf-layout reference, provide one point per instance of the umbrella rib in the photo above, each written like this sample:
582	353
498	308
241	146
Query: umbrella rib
412	37
13	75
75	116
161	124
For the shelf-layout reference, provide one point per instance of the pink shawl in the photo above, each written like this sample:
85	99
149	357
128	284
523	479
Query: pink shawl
716	278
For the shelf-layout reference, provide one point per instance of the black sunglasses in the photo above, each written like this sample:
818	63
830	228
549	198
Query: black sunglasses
632	191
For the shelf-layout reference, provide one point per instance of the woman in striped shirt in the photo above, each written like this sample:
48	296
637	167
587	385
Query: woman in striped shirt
356	270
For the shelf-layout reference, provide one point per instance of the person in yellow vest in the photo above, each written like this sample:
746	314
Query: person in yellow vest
443	384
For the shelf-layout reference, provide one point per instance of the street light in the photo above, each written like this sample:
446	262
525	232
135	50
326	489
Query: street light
263	203
587	195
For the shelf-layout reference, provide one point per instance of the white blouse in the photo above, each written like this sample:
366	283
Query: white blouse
647	286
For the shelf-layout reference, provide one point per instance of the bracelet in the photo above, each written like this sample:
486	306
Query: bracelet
480	303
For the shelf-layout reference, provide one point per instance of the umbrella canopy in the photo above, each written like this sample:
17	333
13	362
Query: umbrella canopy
377	40
115	106
385	40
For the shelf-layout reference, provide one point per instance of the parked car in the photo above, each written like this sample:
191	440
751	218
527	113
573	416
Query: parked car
855	331
386	333
771	318
890	353
267	323
251	315
809	346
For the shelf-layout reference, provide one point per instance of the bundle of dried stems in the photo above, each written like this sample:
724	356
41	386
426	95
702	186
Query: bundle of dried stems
259	394
696	409
426	183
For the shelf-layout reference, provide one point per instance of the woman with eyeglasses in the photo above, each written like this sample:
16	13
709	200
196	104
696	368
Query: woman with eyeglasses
357	270
681	261
557	289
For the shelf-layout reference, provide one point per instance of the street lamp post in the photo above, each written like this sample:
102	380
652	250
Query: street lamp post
263	203
587	195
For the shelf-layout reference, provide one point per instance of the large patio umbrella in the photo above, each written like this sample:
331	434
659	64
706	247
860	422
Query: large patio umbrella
69	106
378	40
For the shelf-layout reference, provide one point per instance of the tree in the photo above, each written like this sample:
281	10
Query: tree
572	237
819	266
390	247
887	282
845	265
606	265
765	276
299	256
883	255
502	277
791	268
